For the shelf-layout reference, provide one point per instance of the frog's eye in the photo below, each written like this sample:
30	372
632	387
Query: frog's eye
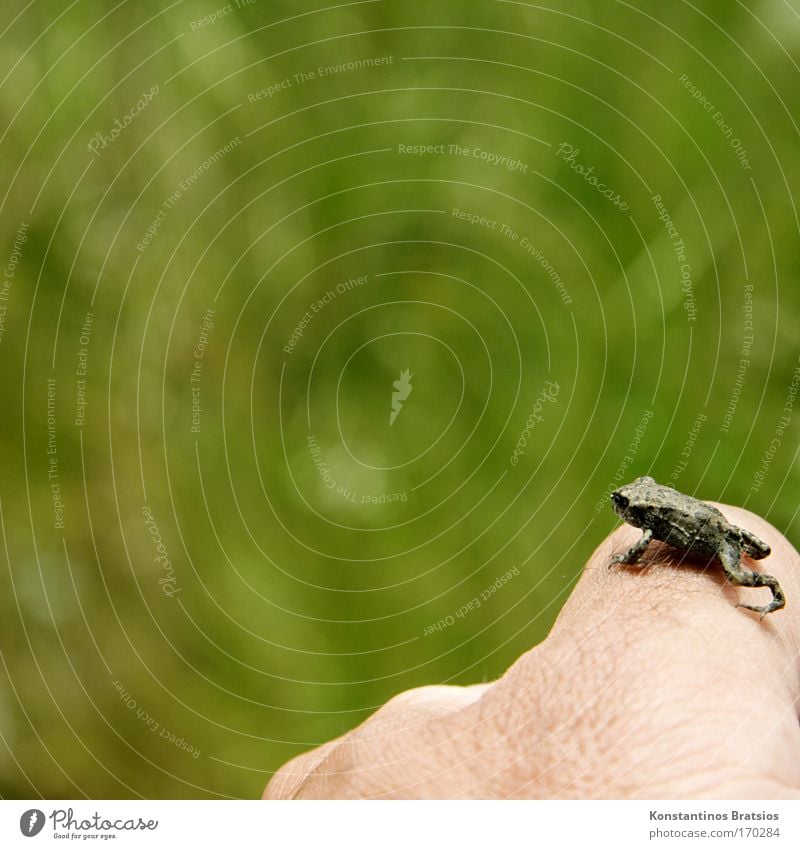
619	499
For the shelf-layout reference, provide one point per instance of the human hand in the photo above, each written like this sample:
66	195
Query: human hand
651	684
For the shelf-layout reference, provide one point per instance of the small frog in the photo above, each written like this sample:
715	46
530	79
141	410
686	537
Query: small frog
665	514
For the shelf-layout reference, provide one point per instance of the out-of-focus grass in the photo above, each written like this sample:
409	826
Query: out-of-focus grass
297	610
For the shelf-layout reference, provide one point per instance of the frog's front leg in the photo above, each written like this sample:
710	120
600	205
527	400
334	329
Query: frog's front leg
634	552
731	557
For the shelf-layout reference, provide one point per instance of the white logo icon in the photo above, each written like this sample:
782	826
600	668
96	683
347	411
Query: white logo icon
403	389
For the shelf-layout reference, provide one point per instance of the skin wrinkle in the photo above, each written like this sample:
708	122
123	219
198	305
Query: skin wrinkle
577	701
625	719
385	722
377	752
549	735
648	685
586	736
345	761
685	759
415	771
732	713
316	775
475	744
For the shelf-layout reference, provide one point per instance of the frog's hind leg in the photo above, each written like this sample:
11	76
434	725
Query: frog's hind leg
633	553
731	557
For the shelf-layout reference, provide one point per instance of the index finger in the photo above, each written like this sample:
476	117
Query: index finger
652	683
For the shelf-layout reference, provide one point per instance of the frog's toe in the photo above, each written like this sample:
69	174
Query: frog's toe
769	608
625	558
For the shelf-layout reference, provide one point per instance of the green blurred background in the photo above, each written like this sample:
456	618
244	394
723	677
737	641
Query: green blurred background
313	557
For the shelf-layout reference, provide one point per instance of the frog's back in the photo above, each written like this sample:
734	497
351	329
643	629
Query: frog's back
692	525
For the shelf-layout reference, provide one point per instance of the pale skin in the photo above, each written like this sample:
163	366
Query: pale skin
652	684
